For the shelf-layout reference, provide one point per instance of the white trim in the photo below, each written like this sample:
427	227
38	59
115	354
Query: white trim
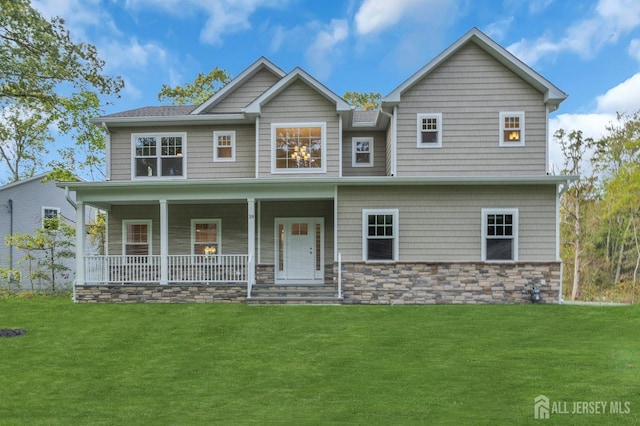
394	143
507	114
281	276
335	224
126	222
558	195
218	242
547	136
323	154
80	243
164	242
216	136
514	237
257	148
340	146
365	235
354	152
422	116
158	156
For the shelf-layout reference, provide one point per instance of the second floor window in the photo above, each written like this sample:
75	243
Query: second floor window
224	146
159	155
298	147
430	130
362	152
512	128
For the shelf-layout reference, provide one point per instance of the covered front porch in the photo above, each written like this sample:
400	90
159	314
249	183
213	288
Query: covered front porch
196	238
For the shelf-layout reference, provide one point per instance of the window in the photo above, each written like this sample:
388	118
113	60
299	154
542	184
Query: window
380	234
499	234
50	218
430	130
512	129
205	236
298	147
362	152
137	237
159	155
224	146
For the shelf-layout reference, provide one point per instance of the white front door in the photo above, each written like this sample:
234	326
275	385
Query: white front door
299	254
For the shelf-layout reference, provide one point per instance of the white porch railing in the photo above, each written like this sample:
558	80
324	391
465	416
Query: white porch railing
182	269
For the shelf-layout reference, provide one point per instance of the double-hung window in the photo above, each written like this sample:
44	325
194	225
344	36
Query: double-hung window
50	218
224	146
429	130
362	152
298	147
512	128
137	239
205	236
158	155
499	234
380	235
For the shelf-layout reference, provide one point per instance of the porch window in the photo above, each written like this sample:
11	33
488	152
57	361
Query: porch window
512	128
298	147
205	236
499	234
362	152
158	155
380	234
50	216
137	237
224	146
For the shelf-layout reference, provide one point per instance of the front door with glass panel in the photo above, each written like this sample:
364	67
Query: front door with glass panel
298	254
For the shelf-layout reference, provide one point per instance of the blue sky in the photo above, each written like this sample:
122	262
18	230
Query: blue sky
590	49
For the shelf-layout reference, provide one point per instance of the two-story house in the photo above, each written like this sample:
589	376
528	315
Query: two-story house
275	189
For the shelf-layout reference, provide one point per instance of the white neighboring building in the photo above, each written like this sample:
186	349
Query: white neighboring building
23	206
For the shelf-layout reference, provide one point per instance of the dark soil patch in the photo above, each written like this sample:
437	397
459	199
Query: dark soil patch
12	332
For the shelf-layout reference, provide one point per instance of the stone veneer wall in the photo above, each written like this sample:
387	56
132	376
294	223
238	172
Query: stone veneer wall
447	283
154	293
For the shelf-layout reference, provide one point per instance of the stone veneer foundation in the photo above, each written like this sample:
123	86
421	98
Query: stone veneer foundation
410	283
448	283
155	293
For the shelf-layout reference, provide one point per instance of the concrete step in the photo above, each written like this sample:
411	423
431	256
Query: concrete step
294	300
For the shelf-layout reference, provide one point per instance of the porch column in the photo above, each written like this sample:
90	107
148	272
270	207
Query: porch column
80	233
251	239
164	243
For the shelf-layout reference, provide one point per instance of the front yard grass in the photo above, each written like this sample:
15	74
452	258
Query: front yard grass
238	364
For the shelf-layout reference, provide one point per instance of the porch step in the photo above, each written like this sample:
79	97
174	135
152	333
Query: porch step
294	293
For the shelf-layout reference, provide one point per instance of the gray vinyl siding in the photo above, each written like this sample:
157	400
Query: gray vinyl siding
199	152
379	154
271	210
246	93
299	103
470	89
443	223
233	216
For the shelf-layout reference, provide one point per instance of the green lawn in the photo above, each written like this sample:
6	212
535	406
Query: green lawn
239	364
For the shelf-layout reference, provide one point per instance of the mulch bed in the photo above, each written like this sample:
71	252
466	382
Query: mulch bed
12	332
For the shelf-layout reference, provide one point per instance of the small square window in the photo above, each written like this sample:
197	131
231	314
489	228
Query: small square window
429	130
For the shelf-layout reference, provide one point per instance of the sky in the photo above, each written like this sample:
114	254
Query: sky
590	49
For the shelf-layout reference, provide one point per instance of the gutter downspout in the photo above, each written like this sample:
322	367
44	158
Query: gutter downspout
10	208
392	118
107	158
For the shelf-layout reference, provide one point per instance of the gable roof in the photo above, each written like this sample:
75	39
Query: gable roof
154	111
295	75
253	69
553	96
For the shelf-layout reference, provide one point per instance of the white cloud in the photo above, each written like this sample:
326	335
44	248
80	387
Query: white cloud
611	19
223	16
79	15
634	49
498	29
131	53
622	98
322	52
377	15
